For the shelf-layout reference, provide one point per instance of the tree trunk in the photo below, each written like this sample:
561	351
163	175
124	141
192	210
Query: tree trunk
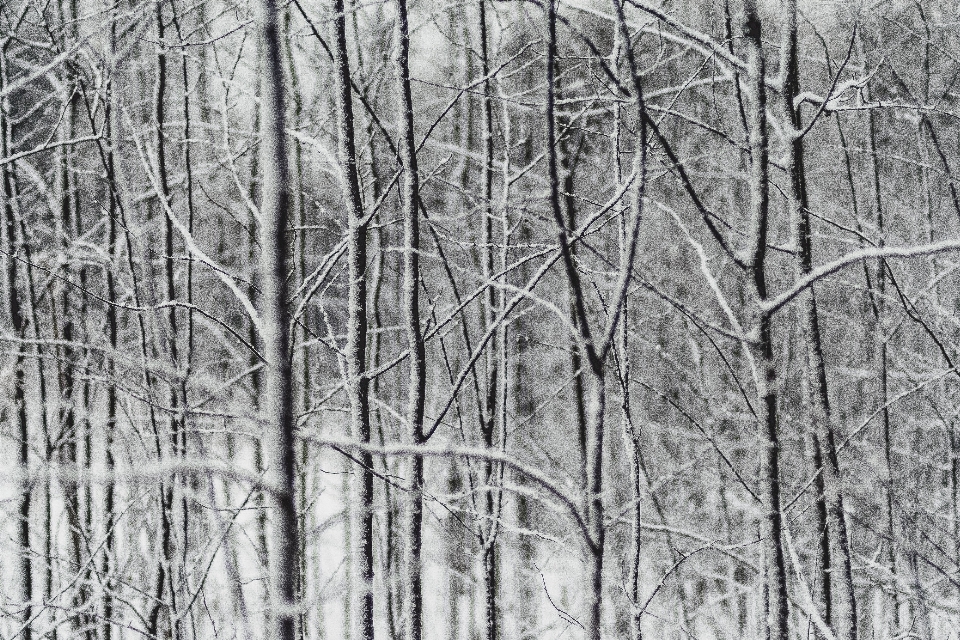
358	383
843	605
164	570
279	454
110	426
70	434
416	386
591	433
774	574
19	405
489	525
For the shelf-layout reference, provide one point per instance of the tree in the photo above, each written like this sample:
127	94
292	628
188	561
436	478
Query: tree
278	435
506	319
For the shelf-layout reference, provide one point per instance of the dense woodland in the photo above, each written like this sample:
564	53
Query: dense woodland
479	319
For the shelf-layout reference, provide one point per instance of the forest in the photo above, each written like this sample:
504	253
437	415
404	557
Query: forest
480	319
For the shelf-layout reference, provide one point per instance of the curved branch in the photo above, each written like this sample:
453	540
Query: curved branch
878	253
466	452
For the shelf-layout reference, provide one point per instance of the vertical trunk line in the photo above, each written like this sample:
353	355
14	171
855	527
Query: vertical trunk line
775	581
17	323
841	591
164	571
488	534
358	382
410	195
279	449
110	426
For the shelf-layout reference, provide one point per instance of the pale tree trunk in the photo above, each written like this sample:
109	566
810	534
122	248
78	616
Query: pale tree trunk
70	435
886	622
524	404
278	437
528	604
456	567
254	337
841	591
51	443
358	382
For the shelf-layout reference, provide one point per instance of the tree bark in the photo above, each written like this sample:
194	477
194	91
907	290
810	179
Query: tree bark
18	409
278	437
843	605
416	385
489	525
880	341
112	404
358	382
70	435
163	573
761	337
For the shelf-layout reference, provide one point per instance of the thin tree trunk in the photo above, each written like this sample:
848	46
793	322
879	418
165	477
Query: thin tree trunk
254	336
298	204
279	449
388	535
69	436
489	521
358	382
824	583
51	444
164	571
591	435
416	386
890	548
185	364
110	426
954	439
19	404
843	605
83	424
630	430
774	574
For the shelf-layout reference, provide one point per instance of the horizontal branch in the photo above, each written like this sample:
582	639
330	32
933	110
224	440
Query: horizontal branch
154	471
488	455
47	146
873	253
